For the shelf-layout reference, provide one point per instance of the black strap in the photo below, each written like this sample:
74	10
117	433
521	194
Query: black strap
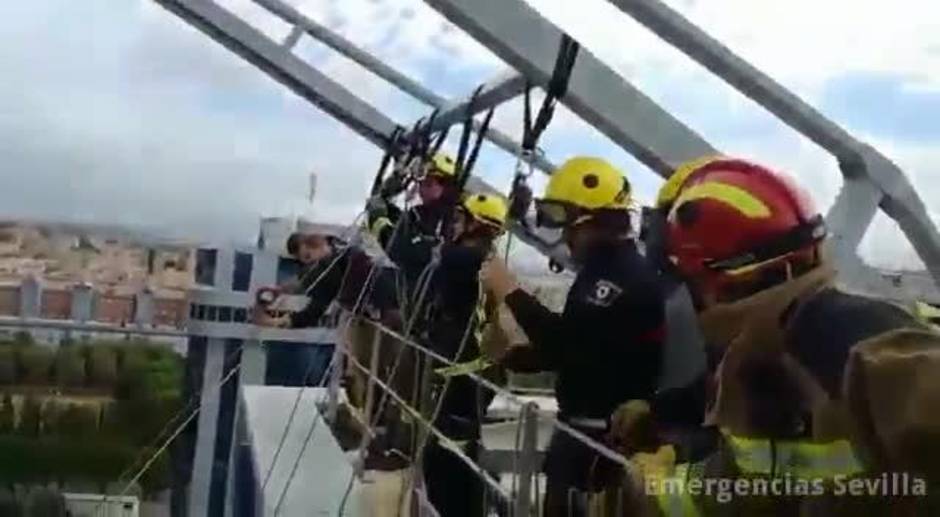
390	151
803	235
467	168
557	88
438	142
465	135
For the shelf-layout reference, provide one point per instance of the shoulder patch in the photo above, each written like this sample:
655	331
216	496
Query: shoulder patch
604	293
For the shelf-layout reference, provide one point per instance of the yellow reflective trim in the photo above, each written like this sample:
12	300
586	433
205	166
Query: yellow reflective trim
807	459
380	224
927	313
670	189
476	365
677	503
736	197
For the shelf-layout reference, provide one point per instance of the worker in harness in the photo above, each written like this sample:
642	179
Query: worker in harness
420	227
680	400
606	345
844	381
458	311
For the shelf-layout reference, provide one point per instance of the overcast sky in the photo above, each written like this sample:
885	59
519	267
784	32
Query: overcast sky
118	112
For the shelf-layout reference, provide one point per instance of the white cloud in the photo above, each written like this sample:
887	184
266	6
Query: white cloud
136	102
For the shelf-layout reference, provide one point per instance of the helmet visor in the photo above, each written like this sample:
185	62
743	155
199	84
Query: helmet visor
557	214
552	214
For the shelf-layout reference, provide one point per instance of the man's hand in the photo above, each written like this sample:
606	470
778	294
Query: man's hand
267	319
497	279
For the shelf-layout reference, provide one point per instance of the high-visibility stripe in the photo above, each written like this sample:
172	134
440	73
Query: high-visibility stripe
380	224
736	197
673	498
670	190
476	365
798	458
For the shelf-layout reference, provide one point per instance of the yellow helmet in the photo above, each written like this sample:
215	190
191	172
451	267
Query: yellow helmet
670	189
583	184
488	209
442	165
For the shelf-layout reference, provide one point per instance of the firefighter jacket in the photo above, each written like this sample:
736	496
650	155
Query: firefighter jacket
410	240
867	368
606	345
457	314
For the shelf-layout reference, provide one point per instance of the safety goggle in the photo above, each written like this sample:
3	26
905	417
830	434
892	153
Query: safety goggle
556	214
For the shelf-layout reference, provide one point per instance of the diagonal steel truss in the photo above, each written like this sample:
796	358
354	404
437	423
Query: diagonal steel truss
528	42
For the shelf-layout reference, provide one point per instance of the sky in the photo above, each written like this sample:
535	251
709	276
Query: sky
119	112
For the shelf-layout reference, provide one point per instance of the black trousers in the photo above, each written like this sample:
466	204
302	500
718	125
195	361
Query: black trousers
573	471
453	489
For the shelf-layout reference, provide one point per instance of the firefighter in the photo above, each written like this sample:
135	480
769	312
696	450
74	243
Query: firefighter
846	382
421	227
458	312
606	345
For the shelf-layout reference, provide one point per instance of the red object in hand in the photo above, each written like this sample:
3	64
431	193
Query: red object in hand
267	296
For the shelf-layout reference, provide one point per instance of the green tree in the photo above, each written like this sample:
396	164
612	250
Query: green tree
69	367
7	414
102	367
35	364
7	365
30	416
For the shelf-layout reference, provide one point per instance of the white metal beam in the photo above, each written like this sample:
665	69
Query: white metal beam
493	93
899	201
277	61
525	40
406	84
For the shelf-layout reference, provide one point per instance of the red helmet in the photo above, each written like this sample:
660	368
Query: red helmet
734	221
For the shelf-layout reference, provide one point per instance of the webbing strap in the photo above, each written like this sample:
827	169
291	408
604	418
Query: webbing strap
556	89
797	458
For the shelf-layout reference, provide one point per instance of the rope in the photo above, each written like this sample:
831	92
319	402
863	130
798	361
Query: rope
366	287
430	427
317	416
193	399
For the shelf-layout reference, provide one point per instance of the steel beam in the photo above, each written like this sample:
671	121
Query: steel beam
406	84
286	68
493	93
272	58
529	43
900	200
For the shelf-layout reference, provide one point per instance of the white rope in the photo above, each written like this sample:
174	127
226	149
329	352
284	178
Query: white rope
179	430
433	430
366	287
196	410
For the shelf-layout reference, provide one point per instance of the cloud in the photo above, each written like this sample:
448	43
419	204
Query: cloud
131	115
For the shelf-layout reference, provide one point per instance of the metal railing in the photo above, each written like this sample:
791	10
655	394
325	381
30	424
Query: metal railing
526	465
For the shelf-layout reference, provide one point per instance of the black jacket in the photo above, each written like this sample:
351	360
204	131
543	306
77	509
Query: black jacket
412	246
606	346
343	282
452	321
